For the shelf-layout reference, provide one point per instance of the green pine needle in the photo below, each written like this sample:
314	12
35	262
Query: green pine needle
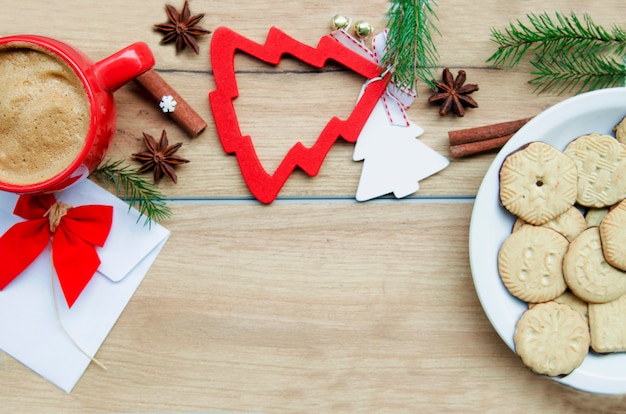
131	185
568	74
411	51
564	35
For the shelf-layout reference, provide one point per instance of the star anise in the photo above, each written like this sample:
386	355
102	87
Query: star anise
182	28
159	157
453	94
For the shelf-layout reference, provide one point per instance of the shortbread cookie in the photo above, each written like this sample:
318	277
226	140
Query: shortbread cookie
620	130
608	326
552	339
601	164
588	274
537	183
570	224
530	263
594	216
518	225
613	236
571	300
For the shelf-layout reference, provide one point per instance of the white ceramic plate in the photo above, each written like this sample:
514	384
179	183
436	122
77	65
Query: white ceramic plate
596	111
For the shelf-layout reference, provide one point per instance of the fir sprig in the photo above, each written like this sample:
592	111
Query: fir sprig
130	185
411	53
568	74
570	54
563	35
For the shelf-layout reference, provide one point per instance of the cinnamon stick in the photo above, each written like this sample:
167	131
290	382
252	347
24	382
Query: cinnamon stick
466	142
464	136
472	148
171	103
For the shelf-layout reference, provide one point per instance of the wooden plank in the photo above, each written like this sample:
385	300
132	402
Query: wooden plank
337	307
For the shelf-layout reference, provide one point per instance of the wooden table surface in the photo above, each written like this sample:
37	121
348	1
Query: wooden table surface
315	303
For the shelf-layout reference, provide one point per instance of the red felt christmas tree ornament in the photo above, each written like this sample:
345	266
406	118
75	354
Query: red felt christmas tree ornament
264	185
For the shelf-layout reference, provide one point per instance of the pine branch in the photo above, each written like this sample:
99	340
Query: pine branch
135	189
564	35
411	51
571	74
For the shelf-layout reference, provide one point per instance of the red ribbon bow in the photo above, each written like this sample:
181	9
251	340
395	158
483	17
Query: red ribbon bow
75	231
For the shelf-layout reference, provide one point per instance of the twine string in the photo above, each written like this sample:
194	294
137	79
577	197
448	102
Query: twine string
67	334
55	213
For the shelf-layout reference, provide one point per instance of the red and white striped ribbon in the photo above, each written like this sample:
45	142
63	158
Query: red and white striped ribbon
396	100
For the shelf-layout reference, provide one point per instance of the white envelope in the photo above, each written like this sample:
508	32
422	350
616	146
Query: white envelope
31	331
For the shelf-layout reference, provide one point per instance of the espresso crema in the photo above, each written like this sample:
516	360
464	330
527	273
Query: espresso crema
44	115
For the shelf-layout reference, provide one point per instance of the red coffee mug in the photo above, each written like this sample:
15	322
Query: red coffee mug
100	80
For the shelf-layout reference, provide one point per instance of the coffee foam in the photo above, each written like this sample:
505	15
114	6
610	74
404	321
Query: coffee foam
44	115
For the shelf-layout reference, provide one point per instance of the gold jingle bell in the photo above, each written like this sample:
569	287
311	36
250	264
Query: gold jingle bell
339	22
362	29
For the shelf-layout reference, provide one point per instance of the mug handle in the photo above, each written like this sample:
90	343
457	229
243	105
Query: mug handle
123	66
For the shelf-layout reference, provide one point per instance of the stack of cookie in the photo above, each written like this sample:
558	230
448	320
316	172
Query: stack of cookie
566	255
